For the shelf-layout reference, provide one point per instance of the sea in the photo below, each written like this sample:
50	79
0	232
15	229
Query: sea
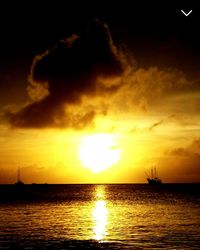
103	216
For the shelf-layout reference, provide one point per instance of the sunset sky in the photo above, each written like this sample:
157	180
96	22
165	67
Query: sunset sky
99	94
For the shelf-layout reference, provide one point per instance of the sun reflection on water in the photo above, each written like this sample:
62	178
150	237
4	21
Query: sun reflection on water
100	214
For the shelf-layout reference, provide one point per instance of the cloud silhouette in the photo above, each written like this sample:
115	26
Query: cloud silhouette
62	76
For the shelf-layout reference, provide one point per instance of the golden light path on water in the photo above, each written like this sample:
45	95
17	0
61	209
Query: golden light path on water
100	214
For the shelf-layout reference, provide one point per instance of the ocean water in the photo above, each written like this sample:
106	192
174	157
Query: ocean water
113	216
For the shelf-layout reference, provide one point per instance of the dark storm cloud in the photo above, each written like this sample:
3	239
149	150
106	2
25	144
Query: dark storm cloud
64	74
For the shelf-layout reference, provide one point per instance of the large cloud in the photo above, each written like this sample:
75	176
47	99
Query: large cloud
67	81
62	76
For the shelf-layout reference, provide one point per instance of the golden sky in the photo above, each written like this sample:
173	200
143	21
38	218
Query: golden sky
109	125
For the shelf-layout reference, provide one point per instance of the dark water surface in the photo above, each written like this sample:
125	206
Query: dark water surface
116	216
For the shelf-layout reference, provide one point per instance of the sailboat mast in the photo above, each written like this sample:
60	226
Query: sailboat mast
18	174
155	171
151	173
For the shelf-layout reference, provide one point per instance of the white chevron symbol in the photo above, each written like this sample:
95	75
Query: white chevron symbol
186	14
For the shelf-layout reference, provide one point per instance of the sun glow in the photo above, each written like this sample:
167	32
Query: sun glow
100	214
100	218
100	151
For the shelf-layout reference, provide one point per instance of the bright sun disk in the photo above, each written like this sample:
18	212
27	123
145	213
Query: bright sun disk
98	152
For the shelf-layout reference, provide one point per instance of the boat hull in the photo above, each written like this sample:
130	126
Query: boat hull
155	181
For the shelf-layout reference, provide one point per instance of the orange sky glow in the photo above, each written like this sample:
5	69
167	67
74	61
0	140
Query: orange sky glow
111	124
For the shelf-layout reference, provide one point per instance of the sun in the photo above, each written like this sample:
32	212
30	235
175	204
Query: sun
99	151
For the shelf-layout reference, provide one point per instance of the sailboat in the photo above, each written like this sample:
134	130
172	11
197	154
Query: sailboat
19	182
154	180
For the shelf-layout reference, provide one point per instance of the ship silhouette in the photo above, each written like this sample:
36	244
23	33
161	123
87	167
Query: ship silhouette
154	180
19	182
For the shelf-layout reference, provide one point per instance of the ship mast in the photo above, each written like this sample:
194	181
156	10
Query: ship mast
19	182
155	171
18	174
151	173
